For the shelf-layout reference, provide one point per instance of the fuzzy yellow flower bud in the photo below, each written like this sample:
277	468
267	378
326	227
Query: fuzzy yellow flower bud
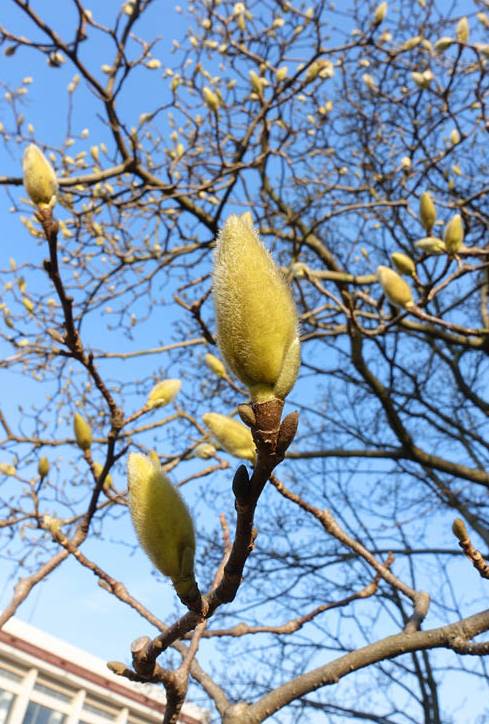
43	467
403	263
83	432
7	469
424	79
281	73
163	524
39	177
163	393
443	43
108	478
234	437
431	245
204	450
255	313
455	137
462	30
427	211
380	13
454	234
397	291
215	365
211	99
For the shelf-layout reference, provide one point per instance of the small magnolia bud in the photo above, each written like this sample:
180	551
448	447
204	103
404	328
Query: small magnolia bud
234	437
397	291
454	234
405	164
462	30
204	450
255	313
431	245
459	529
7	469
43	467
424	79
443	43
412	42
257	83
215	365
403	263
83	432
161	520
380	13
281	73
39	177
108	478
427	211
211	99
455	137
370	82
163	393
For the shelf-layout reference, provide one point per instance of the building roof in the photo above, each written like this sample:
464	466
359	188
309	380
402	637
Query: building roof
29	645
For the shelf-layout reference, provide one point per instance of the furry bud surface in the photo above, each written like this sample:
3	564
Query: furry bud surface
234	437
397	291
39	177
431	245
427	211
83	432
215	365
403	263
255	313
454	234
161	520
163	393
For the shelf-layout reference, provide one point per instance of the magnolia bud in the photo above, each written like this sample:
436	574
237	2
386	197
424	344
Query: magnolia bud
431	245
234	437
459	529
43	467
162	522
163	393
443	43
211	99
281	73
215	365
454	234
255	313
455	137
39	177
204	450
83	432
403	263
397	291
427	211
424	79
7	469
108	478
462	30
380	13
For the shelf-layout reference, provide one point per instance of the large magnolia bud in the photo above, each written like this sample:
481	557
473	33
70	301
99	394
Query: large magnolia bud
83	432
163	393
234	437
255	313
427	211
162	522
454	234
397	291
380	13
39	177
431	245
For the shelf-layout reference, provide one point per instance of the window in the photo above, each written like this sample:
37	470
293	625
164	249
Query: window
37	714
52	692
6	699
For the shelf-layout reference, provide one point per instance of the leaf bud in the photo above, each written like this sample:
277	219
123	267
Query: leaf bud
39	177
403	263
43	467
215	365
454	234
83	432
163	524
427	211
459	529
397	291
163	393
234	437
255	313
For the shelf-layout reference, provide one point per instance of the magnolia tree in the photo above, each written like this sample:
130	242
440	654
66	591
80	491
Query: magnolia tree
320	558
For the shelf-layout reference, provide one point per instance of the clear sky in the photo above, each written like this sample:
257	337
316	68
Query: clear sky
69	604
